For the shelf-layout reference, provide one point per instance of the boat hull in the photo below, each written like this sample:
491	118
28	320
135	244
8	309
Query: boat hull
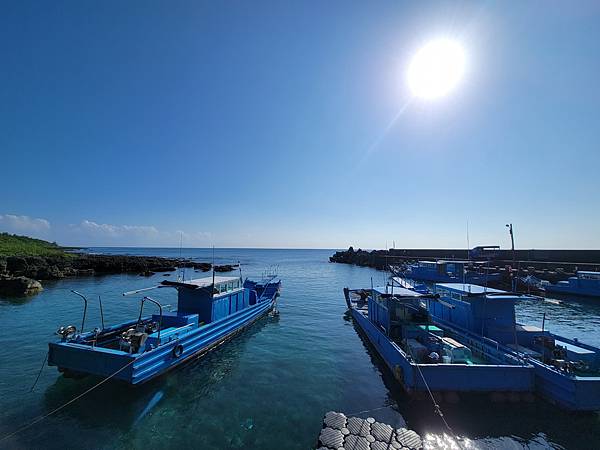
444	377
573	290
136	369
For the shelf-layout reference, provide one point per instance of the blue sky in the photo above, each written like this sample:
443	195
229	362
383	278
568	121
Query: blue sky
253	124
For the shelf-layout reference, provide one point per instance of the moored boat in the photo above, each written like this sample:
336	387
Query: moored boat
210	311
452	271
585	283
567	371
425	356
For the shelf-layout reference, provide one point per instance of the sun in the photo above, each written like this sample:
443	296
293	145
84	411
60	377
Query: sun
436	69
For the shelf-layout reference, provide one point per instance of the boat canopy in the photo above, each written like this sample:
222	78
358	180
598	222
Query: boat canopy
201	282
471	289
397	290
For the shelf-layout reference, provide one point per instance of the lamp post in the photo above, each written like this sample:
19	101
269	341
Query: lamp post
512	240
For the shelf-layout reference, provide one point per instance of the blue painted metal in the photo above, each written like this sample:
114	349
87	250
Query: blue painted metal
585	284
567	372
208	315
397	324
451	271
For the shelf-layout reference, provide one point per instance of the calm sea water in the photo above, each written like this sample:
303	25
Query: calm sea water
270	386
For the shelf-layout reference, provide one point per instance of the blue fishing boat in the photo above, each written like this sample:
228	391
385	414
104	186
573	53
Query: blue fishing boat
210	311
451	272
586	284
567	371
426	356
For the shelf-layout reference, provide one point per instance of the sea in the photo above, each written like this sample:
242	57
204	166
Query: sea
270	386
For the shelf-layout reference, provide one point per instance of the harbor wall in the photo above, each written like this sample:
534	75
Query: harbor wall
551	265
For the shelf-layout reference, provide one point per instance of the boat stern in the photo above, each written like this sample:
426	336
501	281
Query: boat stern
74	359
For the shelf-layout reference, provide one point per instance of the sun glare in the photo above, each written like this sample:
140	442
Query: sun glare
436	69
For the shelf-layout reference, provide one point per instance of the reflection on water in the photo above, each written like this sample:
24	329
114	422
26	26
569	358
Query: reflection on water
267	388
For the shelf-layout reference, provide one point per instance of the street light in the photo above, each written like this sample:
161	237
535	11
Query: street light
512	240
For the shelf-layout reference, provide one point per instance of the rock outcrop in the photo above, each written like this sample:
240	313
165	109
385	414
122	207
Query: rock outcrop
376	258
225	268
19	273
18	286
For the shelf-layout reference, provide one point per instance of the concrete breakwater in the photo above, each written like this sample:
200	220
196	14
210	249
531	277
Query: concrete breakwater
551	265
20	275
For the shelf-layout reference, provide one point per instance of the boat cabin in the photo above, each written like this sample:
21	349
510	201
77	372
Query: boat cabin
398	311
449	268
211	303
485	311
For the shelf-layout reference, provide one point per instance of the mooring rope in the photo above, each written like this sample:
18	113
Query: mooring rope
40	372
54	411
370	410
437	407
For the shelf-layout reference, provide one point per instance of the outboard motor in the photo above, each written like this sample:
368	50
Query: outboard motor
67	332
132	340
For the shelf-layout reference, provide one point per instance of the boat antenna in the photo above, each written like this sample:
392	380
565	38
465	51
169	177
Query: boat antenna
180	259
468	244
213	270
240	267
468	260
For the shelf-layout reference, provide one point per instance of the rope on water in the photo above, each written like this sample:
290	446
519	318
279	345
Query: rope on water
436	406
40	372
370	410
54	411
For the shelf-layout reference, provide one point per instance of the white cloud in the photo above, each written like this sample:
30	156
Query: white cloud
106	229
24	225
103	234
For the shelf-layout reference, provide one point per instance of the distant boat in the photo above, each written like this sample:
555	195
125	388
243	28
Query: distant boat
210	311
585	283
567	371
423	355
451	272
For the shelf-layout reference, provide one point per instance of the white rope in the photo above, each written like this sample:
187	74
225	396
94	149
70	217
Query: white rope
370	410
437	408
54	411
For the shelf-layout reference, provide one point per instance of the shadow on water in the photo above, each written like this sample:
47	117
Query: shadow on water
17	300
505	424
123	407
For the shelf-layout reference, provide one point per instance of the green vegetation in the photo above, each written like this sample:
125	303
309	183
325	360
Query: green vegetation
13	245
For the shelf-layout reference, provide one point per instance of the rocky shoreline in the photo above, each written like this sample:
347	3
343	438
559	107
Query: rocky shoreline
378	259
22	275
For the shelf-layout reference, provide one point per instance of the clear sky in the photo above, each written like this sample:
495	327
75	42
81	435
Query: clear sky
266	124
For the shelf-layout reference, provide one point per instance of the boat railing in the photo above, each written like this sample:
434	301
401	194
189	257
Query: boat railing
266	284
488	342
148	299
493	342
85	305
